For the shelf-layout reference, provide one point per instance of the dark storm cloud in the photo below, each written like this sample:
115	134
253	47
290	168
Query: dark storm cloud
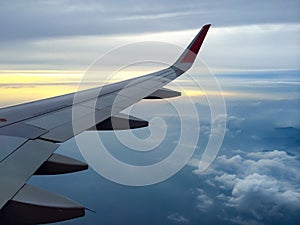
39	19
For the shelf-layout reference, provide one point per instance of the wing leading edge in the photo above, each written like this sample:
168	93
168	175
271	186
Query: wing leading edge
31	133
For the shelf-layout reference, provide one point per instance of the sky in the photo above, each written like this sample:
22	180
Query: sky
56	42
253	51
69	35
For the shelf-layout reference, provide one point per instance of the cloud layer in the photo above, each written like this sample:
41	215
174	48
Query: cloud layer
260	186
70	34
67	18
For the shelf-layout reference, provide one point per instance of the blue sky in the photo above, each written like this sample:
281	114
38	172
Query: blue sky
253	48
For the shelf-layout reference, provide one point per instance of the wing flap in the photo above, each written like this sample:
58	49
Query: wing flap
34	205
16	169
96	109
120	122
57	118
68	130
9	144
41	123
22	130
163	93
60	164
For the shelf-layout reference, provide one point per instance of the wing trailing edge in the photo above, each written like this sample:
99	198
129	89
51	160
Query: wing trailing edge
33	130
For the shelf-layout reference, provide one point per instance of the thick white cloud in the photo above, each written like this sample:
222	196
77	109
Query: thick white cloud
261	185
227	180
262	190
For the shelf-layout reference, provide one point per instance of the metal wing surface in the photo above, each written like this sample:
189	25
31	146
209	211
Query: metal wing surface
31	132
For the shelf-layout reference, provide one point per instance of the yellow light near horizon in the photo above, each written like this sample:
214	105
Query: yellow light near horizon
17	87
16	95
23	86
194	93
46	76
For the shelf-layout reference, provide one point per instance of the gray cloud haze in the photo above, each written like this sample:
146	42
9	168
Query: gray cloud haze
44	19
71	34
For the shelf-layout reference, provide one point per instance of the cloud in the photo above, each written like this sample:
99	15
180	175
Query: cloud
266	44
176	217
230	164
234	122
71	34
241	221
260	186
265	194
40	19
227	180
204	202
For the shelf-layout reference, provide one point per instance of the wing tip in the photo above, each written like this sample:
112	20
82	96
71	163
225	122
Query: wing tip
190	53
198	40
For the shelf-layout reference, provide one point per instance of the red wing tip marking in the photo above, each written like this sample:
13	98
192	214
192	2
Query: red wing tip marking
192	50
196	44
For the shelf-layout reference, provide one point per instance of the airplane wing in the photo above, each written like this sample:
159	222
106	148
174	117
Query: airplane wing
31	132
